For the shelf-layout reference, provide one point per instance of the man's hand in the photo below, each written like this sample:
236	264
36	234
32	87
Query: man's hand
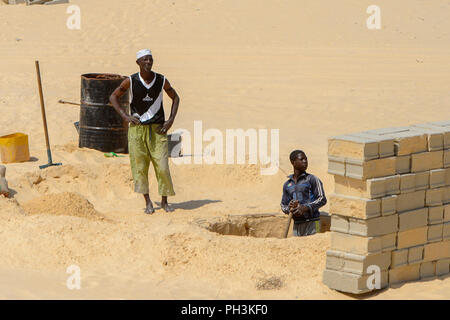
299	211
294	207
166	126
131	119
293	204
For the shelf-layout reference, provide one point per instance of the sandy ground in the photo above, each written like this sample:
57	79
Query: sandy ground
309	68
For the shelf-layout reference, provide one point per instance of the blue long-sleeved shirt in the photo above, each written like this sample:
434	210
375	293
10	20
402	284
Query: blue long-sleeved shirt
308	191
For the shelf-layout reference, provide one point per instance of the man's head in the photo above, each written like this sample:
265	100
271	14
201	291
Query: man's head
299	160
144	59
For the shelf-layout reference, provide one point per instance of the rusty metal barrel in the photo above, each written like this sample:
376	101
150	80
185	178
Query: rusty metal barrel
101	127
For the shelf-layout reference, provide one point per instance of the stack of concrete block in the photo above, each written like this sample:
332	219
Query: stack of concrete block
390	210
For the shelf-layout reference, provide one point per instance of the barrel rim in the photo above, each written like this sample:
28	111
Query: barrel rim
93	76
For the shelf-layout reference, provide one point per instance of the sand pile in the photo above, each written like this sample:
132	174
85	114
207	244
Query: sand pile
65	204
9	207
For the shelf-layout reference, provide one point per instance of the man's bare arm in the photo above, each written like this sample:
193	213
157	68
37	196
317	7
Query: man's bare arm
114	99
175	102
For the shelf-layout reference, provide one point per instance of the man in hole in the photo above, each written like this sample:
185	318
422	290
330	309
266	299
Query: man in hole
303	195
147	133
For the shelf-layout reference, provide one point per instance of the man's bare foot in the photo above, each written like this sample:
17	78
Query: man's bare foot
149	209
148	205
166	207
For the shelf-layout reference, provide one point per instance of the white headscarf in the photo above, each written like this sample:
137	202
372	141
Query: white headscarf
143	53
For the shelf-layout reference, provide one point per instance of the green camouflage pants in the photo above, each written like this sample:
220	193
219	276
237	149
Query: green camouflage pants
145	145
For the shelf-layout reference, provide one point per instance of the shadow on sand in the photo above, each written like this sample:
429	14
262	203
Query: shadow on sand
189	205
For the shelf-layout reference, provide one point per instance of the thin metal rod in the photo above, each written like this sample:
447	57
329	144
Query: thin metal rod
68	102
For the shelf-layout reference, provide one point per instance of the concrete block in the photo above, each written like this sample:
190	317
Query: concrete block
359	264
446	158
435	138
355	207
437	178
410	201
433	197
422	180
412	219
427	161
388	241
392	185
384	131
446	231
442	267
444	130
404	274
362	170
335	260
339	223
15	1
353	147
388	205
355	263
350	243
407	182
412	238
386	148
435	215
447	138
370	189
415	254
443	123
436	251
374	227
350	282
435	232
399	258
403	164
446	195
336	165
362	245
409	142
427	269
385	144
447	176
447	213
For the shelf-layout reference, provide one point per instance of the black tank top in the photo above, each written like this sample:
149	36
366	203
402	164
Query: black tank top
147	98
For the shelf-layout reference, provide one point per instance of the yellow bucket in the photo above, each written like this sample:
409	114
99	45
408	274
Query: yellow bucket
14	148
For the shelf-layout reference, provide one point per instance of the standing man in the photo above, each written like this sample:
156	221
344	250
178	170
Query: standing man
303	195
147	134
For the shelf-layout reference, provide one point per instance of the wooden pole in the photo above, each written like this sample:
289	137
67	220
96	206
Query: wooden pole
286	231
44	120
41	96
294	198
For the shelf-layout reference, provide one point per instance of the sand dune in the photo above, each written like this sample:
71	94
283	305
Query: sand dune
309	68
